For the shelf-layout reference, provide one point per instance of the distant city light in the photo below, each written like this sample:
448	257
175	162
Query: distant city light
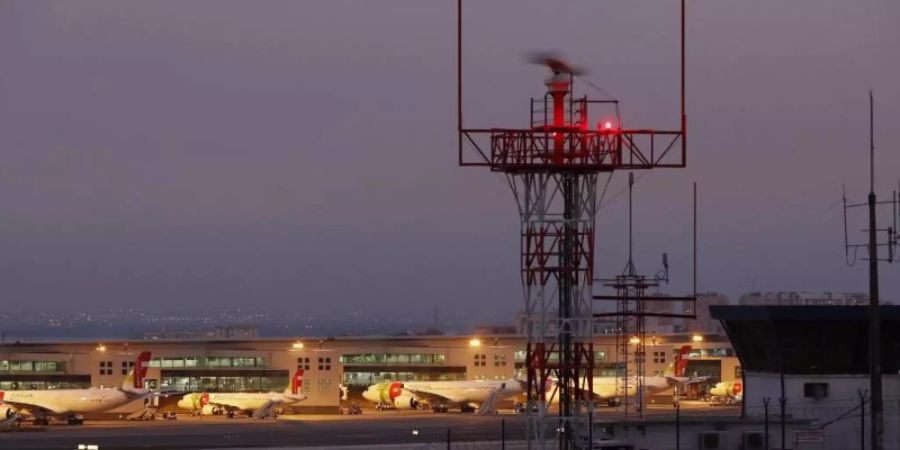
415	432
475	342
697	338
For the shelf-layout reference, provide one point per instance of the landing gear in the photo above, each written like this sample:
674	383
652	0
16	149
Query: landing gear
75	420
45	421
230	414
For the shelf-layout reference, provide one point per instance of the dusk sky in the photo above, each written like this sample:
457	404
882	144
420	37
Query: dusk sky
189	155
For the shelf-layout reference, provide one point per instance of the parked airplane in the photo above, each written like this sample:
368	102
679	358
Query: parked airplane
733	389
412	394
611	389
259	405
74	403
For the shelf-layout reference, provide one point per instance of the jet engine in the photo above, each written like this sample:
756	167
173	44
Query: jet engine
406	401
7	412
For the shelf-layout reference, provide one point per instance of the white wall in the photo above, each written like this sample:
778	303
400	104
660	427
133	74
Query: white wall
842	425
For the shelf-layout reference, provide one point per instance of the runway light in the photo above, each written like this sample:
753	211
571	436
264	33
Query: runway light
475	342
415	432
101	348
697	338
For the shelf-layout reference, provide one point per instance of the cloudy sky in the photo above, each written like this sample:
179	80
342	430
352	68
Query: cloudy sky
294	154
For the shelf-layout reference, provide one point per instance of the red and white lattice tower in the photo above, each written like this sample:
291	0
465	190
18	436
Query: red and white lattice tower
552	167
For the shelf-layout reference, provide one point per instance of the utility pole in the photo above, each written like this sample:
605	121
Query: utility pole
874	310
874	307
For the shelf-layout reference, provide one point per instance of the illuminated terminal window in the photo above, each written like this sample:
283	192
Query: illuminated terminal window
393	358
368	377
208	362
276	383
699	353
520	356
44	385
32	366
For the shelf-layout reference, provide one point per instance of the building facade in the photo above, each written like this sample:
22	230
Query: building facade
328	364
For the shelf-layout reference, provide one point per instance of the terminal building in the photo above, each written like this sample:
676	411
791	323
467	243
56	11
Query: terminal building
328	363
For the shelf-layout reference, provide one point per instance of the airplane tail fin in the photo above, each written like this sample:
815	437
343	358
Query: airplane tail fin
676	369
296	384
135	378
681	360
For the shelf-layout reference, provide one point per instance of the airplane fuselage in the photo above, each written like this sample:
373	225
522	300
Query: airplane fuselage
243	401
69	401
475	391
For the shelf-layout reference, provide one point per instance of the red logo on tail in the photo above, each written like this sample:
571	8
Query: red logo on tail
140	369
204	399
738	387
1	396
681	360
297	382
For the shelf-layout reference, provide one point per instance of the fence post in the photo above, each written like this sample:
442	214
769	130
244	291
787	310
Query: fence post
862	419
677	425
766	421
783	402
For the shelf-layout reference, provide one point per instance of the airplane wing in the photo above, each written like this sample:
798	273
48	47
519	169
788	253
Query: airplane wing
431	397
29	408
267	410
687	380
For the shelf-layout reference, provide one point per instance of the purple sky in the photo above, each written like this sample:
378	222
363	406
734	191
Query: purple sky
294	154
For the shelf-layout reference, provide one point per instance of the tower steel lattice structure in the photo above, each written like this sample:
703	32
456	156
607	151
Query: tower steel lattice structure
630	292
552	167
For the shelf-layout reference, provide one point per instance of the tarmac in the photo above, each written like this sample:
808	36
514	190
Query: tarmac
390	429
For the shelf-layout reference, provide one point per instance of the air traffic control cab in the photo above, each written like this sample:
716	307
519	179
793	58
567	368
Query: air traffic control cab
820	355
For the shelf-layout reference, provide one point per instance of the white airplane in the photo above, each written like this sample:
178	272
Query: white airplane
612	389
606	388
410	394
74	403
259	405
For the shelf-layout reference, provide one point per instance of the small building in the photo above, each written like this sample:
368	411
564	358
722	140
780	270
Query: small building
817	359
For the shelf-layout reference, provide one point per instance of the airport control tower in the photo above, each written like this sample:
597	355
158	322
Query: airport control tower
552	167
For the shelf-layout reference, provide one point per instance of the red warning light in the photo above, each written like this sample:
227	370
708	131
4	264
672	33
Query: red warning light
606	125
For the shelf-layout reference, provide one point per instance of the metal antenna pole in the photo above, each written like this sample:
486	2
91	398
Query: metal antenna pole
874	309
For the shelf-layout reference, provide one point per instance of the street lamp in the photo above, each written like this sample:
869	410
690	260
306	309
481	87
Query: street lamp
474	342
635	340
697	338
100	348
297	346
